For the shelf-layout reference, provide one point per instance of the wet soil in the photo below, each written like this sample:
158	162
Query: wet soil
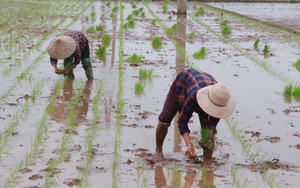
56	136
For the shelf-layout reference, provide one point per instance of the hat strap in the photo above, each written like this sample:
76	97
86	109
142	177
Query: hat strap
217	104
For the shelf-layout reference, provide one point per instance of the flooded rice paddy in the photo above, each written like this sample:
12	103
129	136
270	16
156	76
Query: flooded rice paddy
101	133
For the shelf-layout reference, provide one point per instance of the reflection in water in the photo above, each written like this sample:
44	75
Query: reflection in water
181	7
108	109
181	34
61	110
207	178
180	65
207	175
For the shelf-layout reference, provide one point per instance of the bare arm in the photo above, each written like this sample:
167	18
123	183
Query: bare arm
190	149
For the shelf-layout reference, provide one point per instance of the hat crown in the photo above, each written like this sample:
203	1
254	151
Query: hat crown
219	94
61	47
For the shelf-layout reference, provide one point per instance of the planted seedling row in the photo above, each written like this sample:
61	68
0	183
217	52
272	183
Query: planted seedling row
25	73
119	107
30	30
66	140
255	57
37	147
91	134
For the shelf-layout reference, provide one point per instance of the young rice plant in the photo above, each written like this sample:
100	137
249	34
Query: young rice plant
134	58
156	43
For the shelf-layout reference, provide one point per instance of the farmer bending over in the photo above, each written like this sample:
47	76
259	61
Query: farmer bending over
73	47
194	91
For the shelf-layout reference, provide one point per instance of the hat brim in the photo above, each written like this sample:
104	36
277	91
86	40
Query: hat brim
212	109
61	47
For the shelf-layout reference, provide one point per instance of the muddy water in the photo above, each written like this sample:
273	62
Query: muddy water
264	119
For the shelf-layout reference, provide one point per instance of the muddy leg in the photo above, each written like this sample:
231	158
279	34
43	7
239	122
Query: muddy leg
208	142
161	132
67	63
160	179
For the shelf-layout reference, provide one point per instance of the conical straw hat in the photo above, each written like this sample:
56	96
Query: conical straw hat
61	47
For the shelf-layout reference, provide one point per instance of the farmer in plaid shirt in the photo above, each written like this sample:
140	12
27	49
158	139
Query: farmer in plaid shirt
193	91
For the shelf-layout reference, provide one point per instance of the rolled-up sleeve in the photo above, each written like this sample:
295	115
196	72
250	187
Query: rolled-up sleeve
53	61
185	114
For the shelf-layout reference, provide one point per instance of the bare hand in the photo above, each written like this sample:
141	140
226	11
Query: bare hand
57	71
67	71
190	151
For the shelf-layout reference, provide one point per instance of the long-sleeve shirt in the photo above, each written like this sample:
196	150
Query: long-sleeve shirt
187	83
80	40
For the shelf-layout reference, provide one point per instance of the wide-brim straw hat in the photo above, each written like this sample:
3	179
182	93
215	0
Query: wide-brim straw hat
61	47
216	100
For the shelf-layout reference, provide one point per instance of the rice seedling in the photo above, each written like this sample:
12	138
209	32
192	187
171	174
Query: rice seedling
119	107
288	90
164	8
129	16
169	32
199	12
224	23
112	15
131	24
108	4
205	135
156	43
226	30
36	147
255	153
100	27
143	14
141	9
135	12
87	18
133	6
297	65
139	88
143	176
201	54
135	58
93	14
90	30
169	17
237	180
172	29
296	91
255	45
266	49
125	26
101	53
153	22
192	35
175	26
145	73
106	40
115	9
90	136
9	130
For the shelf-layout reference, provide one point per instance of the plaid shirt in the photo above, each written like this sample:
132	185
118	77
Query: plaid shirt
187	83
80	40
